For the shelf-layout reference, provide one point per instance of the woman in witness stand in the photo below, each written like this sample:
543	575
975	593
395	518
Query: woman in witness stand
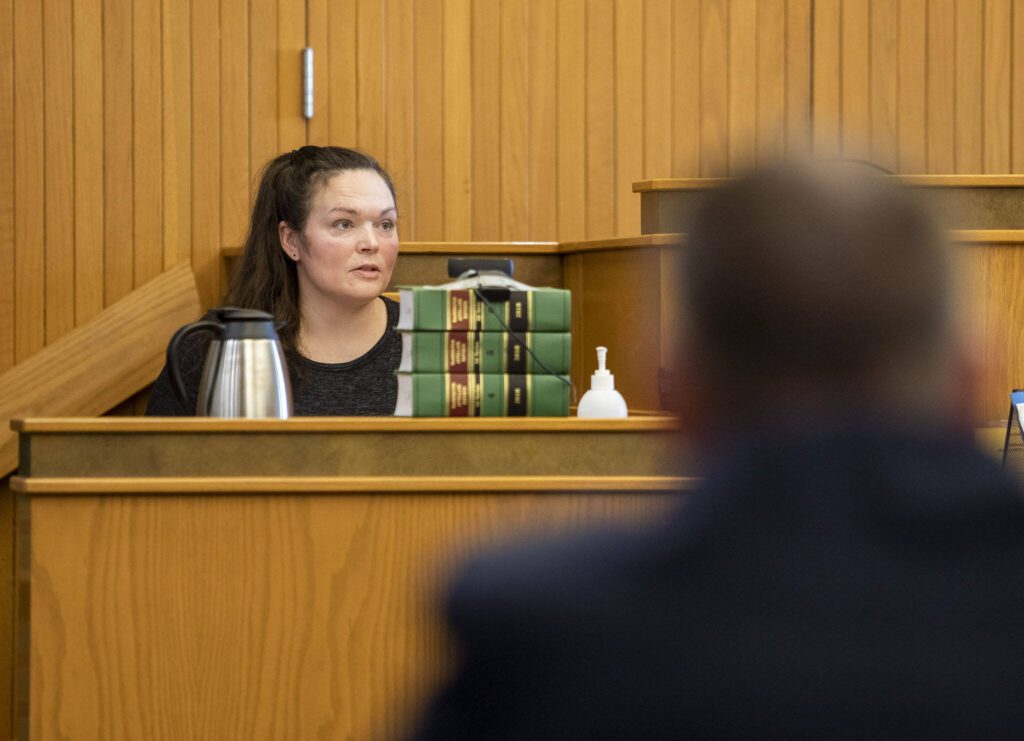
321	247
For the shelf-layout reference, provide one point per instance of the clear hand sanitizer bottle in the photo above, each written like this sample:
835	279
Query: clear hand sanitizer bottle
602	400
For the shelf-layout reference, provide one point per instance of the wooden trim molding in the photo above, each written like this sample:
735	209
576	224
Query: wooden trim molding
927	181
646	186
987	236
140	425
443	248
619	243
963	181
343	484
102	362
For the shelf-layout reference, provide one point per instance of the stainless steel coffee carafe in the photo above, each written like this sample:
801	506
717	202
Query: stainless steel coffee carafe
245	374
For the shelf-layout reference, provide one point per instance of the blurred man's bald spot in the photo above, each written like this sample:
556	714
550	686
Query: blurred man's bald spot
814	288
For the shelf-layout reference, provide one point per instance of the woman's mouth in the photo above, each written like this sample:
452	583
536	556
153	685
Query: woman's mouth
367	271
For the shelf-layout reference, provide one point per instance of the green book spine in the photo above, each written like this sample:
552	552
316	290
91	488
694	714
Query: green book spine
485	395
458	351
441	309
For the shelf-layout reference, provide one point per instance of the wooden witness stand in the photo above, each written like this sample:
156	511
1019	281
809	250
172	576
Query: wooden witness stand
254	579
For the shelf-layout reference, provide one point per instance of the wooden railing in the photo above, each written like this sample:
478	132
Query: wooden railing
100	364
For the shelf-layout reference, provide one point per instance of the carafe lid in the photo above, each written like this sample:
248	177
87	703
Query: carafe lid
233	314
246	324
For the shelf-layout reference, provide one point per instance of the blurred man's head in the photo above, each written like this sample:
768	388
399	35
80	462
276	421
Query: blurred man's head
813	291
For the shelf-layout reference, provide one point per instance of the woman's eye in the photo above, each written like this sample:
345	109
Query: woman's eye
343	224
387	225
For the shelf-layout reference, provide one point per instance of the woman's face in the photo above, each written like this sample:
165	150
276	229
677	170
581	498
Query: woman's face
347	250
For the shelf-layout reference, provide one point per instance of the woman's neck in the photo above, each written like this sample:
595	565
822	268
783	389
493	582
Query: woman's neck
338	333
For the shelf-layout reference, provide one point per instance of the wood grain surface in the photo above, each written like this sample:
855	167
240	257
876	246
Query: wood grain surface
41	486
105	425
7	249
261	617
937	180
100	363
7	620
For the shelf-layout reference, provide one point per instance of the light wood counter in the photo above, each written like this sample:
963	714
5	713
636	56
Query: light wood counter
198	578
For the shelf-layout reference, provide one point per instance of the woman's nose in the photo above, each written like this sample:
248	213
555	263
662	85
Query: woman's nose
368	238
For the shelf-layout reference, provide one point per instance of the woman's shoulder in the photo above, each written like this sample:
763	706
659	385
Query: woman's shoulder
392	307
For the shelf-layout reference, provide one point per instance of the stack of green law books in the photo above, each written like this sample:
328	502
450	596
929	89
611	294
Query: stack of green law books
466	357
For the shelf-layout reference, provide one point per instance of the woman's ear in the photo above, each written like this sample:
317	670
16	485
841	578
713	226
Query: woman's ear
290	240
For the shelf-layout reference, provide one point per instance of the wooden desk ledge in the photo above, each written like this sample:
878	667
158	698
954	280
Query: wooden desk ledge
345	484
101	425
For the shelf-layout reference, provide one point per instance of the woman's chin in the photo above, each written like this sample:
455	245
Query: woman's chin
364	291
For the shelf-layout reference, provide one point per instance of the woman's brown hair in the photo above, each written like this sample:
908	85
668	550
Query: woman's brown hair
266	279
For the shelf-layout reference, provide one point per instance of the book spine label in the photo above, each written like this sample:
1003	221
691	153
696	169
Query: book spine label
518	397
545	310
488	395
458	351
518	310
514	353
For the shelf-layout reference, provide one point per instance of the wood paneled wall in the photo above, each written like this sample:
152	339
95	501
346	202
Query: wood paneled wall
130	132
530	119
128	135
921	85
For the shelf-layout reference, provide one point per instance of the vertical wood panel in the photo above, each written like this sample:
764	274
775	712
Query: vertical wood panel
600	118
658	103
798	77
234	122
515	120
885	92
147	141
88	153
59	173
206	123
942	86
486	124
291	39
572	189
7	297
177	133
1017	106
1002	299
856	79
370	77
630	104
428	133
341	60
770	128
399	155
686	111
29	166
827	115
318	38
543	135
118	195
997	59
743	21
458	111
263	81
969	90
714	88
913	101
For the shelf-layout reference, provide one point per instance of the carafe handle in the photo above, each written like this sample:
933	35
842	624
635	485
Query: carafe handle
172	353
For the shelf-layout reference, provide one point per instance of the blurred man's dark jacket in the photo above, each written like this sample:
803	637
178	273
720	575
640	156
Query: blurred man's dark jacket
848	584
